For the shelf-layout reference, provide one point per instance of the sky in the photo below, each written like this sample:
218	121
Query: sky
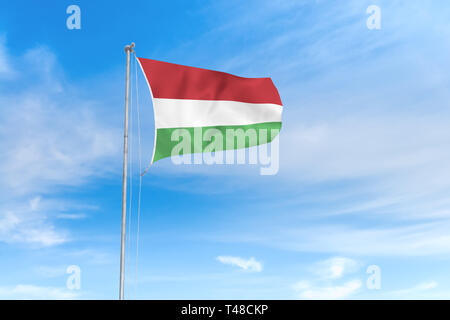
359	208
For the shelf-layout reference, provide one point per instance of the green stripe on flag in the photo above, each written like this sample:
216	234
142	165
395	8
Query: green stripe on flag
165	145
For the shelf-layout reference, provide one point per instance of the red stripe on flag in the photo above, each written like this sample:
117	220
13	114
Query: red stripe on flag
174	81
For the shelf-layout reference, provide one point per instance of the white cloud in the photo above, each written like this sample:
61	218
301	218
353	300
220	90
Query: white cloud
326	273
28	227
23	291
335	268
305	290
246	264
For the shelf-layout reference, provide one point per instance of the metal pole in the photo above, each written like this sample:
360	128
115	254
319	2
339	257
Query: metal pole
128	50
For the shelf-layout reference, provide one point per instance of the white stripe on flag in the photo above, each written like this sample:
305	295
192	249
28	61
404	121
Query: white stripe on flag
184	113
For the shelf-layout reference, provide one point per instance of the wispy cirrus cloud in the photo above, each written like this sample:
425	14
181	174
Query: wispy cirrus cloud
413	240
27	224
418	289
364	149
251	264
53	139
53	136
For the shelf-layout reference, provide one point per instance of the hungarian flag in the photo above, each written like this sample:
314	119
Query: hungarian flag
193	98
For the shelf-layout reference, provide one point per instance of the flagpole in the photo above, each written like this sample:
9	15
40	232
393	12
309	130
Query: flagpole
128	50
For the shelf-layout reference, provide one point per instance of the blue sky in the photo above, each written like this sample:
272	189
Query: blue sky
364	153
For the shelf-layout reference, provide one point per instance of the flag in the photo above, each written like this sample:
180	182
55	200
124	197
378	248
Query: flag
196	99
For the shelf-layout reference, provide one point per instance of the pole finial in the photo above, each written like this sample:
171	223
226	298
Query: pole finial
129	47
